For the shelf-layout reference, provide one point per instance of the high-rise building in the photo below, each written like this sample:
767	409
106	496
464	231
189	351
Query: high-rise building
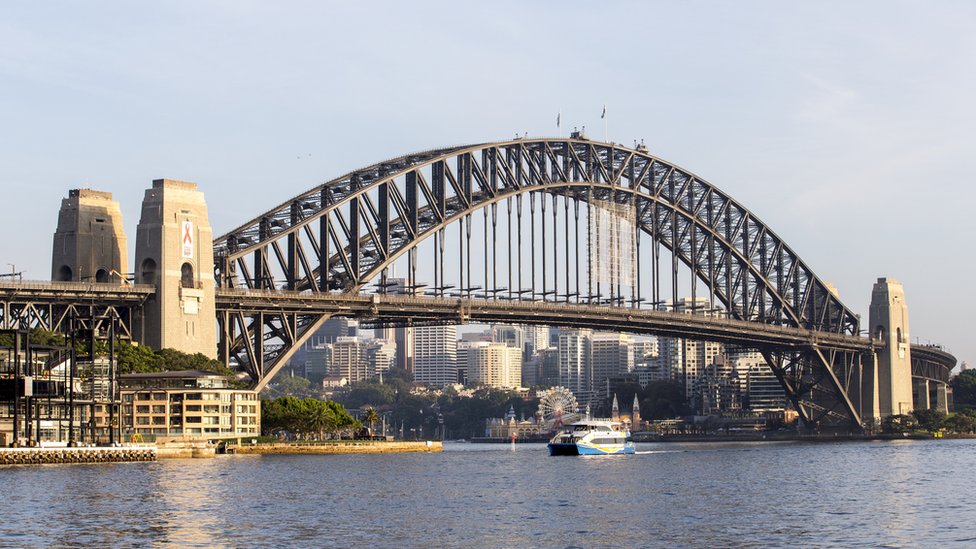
536	339
717	388
349	360
435	355
611	355
763	391
549	367
380	355
402	335
318	358
574	363
494	364
510	335
337	327
646	349
463	346
687	358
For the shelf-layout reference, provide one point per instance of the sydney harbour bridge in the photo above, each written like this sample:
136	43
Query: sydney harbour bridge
560	232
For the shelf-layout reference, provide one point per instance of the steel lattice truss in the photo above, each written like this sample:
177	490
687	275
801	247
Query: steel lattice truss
342	234
57	306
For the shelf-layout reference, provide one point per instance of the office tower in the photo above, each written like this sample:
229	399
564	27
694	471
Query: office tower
687	358
536	339
763	392
335	328
380	355
611	355
435	355
403	336
318	358
348	359
510	335
574	362
494	364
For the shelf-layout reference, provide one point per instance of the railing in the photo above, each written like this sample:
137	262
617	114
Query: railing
112	287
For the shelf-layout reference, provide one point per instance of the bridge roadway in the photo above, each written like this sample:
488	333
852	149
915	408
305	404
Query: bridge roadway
49	304
416	310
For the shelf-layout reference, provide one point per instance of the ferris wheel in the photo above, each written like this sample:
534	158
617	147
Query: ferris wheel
558	406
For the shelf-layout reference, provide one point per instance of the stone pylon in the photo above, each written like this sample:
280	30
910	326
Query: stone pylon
888	321
89	243
174	253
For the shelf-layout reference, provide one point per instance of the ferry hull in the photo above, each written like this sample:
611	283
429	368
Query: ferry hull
591	450
582	449
556	449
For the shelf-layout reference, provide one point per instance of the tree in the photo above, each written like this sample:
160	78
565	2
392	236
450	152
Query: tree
371	417
898	423
367	393
303	417
318	417
663	400
929	420
964	389
290	386
960	423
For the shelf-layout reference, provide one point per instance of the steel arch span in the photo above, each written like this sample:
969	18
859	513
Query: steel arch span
345	234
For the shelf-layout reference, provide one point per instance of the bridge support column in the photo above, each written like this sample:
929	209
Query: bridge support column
889	322
174	252
920	393
867	380
941	397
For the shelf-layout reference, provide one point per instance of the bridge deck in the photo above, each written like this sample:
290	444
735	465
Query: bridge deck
400	309
67	292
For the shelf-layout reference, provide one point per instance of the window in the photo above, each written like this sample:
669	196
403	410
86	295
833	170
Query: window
147	273
142	409
186	276
193	419
193	408
159	409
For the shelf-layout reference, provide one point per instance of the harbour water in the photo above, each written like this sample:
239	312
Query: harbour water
870	494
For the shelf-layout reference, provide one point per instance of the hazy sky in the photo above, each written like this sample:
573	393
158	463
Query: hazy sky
849	128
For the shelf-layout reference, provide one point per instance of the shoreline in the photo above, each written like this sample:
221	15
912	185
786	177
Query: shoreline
350	447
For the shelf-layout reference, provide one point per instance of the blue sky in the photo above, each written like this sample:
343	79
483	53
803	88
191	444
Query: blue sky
847	127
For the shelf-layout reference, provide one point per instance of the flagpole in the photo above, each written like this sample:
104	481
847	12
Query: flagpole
606	132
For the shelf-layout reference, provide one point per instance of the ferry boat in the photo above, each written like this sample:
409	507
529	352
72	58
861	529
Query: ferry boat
592	437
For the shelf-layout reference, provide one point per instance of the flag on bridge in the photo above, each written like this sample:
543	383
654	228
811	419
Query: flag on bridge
604	115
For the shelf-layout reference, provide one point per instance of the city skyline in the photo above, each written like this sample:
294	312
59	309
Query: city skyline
833	133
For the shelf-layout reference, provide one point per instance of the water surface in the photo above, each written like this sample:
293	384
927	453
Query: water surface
852	494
